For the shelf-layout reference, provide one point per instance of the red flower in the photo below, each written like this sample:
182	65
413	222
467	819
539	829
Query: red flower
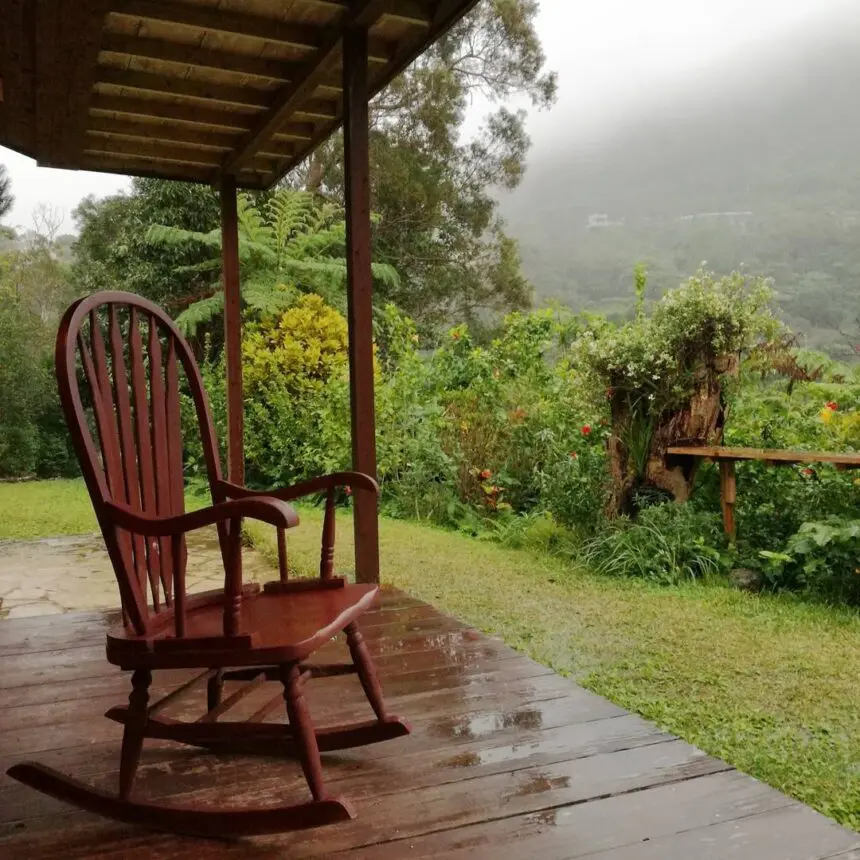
573	455
832	404
807	472
586	429
486	475
348	490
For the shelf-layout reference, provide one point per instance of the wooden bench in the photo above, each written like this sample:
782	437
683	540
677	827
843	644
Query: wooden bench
727	457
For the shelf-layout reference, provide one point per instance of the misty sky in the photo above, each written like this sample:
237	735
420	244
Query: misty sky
610	55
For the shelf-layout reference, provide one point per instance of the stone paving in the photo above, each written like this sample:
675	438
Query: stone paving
70	574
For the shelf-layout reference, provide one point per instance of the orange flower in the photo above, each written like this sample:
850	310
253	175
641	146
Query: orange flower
455	335
486	475
573	455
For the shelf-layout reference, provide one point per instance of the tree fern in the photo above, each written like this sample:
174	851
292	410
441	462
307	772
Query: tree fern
293	244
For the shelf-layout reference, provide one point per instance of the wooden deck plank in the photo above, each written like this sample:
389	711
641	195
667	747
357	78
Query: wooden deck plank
564	829
794	832
507	760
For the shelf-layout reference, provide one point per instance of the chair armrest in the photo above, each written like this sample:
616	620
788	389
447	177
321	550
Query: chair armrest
253	506
305	488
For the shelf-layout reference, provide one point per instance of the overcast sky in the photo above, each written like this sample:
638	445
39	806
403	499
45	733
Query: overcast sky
608	54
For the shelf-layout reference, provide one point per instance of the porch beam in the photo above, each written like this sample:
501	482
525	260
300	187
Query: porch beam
359	296
232	330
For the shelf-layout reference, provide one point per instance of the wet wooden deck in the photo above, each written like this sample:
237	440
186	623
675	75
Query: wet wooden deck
507	760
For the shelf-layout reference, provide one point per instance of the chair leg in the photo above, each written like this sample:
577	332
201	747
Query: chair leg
214	688
132	736
366	670
303	730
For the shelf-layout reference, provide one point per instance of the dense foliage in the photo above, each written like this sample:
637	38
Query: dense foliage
34	289
113	246
508	439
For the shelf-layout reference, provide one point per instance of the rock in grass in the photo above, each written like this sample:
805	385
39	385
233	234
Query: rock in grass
746	579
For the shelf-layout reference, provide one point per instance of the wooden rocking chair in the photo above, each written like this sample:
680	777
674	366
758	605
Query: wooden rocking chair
131	354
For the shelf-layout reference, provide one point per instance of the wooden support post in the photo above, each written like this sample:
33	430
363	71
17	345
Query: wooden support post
359	296
232	330
728	495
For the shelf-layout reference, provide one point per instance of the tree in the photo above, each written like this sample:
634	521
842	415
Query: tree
34	291
434	190
6	198
291	243
112	251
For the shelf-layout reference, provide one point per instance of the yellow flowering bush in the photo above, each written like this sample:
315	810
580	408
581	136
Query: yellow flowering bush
299	351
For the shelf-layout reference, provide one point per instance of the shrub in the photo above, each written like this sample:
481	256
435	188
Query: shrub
668	543
574	488
296	406
298	351
822	558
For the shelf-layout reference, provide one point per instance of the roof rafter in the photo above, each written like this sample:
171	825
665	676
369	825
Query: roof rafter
191	55
219	141
184	113
184	87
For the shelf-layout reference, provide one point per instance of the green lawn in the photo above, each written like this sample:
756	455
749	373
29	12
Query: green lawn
771	684
31	509
45	509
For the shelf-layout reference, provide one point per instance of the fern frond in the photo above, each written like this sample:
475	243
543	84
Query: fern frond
161	234
213	265
200	313
386	274
252	224
326	241
267	300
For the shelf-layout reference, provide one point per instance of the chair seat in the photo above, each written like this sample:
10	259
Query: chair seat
274	628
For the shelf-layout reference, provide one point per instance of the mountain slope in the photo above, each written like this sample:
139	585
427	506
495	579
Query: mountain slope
754	161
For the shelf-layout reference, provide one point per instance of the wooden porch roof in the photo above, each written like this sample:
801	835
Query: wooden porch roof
193	89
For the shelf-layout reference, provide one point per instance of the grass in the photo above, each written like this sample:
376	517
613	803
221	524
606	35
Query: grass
31	509
34	509
771	684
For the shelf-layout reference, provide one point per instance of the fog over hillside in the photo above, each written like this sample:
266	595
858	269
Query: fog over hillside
753	159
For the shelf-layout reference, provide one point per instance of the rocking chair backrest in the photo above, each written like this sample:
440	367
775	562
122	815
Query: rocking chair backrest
118	364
